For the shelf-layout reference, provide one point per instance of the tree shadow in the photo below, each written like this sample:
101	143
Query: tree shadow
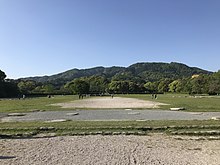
7	157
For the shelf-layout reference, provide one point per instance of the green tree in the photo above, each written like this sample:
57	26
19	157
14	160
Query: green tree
151	87
2	76
65	91
114	87
199	84
78	86
26	87
11	88
175	86
48	89
214	83
2	84
133	87
8	88
98	84
119	87
164	85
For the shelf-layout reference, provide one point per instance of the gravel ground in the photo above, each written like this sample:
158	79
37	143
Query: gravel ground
156	149
112	115
3	115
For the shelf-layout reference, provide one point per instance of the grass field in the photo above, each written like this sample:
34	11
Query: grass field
190	103
31	104
196	104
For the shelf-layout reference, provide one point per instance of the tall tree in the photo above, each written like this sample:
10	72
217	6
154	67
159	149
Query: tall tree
78	86
98	84
175	86
8	88
164	85
151	87
2	76
199	84
214	83
119	87
26	87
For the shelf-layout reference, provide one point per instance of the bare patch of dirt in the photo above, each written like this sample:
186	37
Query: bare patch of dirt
78	150
109	103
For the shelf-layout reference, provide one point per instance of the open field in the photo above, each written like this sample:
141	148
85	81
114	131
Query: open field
191	103
196	104
75	127
32	104
95	142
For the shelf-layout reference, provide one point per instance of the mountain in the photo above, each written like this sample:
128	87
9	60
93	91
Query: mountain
139	72
157	71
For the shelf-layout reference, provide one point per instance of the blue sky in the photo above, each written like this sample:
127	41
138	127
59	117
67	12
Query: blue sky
45	37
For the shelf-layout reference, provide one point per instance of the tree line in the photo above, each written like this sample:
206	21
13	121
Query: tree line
196	84
8	88
123	84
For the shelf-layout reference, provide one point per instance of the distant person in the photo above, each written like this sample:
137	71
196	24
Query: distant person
112	95
155	96
152	96
23	96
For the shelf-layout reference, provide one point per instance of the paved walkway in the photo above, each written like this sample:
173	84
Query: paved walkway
126	114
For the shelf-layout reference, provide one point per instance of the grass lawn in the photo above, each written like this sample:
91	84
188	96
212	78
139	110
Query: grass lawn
192	104
30	104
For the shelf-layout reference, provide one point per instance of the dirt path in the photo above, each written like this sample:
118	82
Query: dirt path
108	102
100	150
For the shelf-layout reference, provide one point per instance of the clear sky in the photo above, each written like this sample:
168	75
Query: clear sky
45	37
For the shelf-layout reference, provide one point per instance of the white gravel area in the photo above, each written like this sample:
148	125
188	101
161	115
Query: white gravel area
108	102
156	149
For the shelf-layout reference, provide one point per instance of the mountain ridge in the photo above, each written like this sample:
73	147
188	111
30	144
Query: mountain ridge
141	71
147	71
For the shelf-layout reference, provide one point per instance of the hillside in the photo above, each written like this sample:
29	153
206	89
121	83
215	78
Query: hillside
138	72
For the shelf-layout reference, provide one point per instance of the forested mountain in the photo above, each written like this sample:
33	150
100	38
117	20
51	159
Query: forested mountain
137	78
138	72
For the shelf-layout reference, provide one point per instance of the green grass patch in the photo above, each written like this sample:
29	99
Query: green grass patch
191	103
30	129
36	103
